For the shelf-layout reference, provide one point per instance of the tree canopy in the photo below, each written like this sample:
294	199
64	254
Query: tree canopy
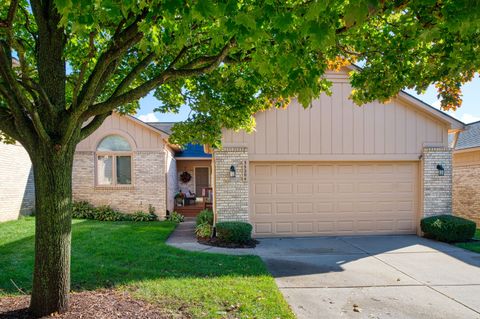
226	59
66	65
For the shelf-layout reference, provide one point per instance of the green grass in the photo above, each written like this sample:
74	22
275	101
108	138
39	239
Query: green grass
474	245
133	256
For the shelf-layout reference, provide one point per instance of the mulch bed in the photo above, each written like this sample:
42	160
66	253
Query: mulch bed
218	243
100	304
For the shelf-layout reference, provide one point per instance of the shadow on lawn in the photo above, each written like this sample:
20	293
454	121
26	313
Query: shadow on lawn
107	254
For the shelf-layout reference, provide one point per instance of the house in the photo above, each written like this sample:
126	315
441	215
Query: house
17	192
331	169
466	173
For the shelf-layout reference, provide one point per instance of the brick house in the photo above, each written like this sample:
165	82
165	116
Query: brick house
332	169
466	173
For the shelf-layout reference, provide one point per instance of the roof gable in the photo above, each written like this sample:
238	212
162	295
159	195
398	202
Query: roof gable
470	137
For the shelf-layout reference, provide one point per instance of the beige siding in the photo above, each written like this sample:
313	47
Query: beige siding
466	185
332	198
333	128
142	137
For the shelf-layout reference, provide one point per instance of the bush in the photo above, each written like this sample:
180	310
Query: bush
83	210
205	217
175	217
203	230
142	217
448	228
234	232
108	214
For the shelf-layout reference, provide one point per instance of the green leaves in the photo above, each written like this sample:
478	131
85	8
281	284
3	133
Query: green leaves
282	50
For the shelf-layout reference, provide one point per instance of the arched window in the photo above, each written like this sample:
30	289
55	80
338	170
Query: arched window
114	161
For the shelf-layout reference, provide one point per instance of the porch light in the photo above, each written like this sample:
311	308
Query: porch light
441	170
233	173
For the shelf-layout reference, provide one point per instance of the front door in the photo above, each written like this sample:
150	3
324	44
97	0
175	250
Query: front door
201	179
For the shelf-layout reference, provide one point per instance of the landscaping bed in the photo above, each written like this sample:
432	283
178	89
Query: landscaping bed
216	242
90	305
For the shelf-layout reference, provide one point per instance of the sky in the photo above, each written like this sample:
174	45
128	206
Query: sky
467	113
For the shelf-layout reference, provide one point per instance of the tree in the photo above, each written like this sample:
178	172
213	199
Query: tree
78	60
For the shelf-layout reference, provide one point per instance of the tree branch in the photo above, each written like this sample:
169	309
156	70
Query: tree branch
121	42
128	80
166	75
83	68
93	125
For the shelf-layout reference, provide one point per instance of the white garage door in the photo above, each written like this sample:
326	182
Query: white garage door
333	198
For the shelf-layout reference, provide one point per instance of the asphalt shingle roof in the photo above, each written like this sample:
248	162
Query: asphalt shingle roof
470	137
162	126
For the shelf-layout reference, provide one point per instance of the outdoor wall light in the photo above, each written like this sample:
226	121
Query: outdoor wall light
441	170
233	173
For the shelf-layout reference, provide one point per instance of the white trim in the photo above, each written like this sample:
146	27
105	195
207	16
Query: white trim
334	157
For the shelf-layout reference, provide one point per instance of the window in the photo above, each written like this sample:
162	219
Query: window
114	162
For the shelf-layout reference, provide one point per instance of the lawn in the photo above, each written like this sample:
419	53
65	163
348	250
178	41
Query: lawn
133	256
474	245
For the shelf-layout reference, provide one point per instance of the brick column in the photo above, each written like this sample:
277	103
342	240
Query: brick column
231	193
437	190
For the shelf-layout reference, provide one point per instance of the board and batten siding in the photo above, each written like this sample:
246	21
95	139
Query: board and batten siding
142	137
334	128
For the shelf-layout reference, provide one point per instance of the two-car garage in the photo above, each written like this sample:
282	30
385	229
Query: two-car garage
333	198
338	169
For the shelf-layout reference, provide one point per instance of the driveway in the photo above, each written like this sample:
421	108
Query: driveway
374	277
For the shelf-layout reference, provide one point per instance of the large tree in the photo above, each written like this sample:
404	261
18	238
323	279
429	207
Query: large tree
79	60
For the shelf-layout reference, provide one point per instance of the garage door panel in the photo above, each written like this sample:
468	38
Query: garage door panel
296	199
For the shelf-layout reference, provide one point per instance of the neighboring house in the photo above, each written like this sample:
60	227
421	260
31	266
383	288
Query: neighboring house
332	169
17	192
466	173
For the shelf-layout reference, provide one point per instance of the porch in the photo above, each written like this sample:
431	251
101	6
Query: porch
191	209
194	176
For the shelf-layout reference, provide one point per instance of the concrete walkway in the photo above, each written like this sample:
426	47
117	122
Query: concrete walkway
365	277
184	238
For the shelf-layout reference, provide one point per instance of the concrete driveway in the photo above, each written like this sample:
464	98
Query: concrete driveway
374	277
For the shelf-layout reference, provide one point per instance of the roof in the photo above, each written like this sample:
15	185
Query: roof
162	126
470	137
192	151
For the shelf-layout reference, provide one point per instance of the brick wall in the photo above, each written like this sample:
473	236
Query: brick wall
466	188
149	184
437	190
231	192
17	191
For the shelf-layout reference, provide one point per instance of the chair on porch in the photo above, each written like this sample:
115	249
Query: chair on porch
207	194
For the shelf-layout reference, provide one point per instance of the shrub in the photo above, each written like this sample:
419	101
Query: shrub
175	217
203	230
140	216
448	228
83	210
106	213
205	217
234	232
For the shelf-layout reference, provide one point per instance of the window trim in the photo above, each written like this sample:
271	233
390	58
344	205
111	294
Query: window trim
114	184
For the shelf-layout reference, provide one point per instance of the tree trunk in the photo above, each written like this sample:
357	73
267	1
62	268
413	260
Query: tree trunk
53	190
